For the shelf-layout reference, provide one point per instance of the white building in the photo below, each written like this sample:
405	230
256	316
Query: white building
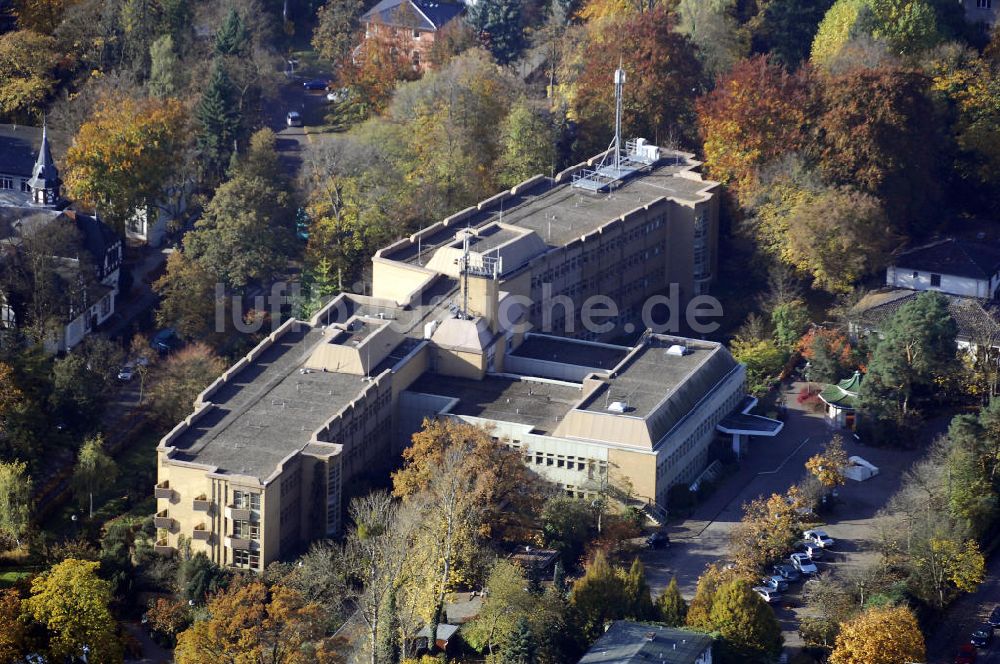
955	267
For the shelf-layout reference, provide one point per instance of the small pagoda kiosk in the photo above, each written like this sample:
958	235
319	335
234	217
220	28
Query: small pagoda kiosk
842	401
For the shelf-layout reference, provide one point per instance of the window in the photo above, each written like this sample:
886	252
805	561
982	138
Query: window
242	558
935	281
6	183
245	500
246	530
984	4
25	187
416	34
915	274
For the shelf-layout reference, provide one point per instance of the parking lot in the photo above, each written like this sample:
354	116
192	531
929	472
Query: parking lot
773	465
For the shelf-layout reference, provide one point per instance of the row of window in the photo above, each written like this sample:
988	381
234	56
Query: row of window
568	462
698	435
291	483
8	183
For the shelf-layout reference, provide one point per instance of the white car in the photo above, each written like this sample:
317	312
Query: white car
338	95
293	119
767	594
801	562
126	373
818	537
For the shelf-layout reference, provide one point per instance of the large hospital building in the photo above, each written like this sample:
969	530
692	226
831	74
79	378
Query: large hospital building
479	317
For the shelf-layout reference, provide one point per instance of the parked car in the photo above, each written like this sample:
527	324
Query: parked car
819	538
338	95
166	341
126	373
966	654
994	619
982	636
803	563
293	119
658	540
315	84
769	595
788	573
812	550
775	583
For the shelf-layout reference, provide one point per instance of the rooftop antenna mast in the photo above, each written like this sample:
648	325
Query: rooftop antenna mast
619	86
465	276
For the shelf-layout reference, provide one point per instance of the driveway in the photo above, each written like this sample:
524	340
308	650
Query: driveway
963	616
772	466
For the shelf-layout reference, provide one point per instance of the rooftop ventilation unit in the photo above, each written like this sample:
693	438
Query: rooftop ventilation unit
678	350
618	407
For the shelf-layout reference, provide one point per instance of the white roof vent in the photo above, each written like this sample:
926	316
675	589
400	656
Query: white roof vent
677	350
618	407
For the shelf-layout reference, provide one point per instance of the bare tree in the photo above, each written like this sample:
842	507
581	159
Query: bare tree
375	553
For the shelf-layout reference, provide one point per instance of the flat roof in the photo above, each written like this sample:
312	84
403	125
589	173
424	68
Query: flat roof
660	386
560	213
571	351
270	409
540	405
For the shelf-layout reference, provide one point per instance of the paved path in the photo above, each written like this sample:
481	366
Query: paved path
152	653
963	616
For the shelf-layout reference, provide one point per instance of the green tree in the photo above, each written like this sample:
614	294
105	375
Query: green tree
907	27
763	359
140	23
187	297
232	37
747	625
789	320
95	472
700	610
785	29
714	28
336	28
71	601
566	527
528	140
499	24
671	606
509	600
164	68
599	596
218	120
916	349
15	501
519	646
245	233
638	594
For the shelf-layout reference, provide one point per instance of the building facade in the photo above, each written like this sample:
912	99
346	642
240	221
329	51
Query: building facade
268	457
86	267
411	25
981	11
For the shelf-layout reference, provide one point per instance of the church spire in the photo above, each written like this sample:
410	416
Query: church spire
45	183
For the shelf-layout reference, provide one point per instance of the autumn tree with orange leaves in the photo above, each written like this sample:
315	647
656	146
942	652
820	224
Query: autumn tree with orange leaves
378	65
756	113
125	154
663	75
251	622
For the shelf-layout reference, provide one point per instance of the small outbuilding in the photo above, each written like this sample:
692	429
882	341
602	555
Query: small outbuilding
842	401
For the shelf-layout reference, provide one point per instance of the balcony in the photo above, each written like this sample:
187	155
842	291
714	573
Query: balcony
163	520
163	548
202	504
201	533
162	491
237	543
237	514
